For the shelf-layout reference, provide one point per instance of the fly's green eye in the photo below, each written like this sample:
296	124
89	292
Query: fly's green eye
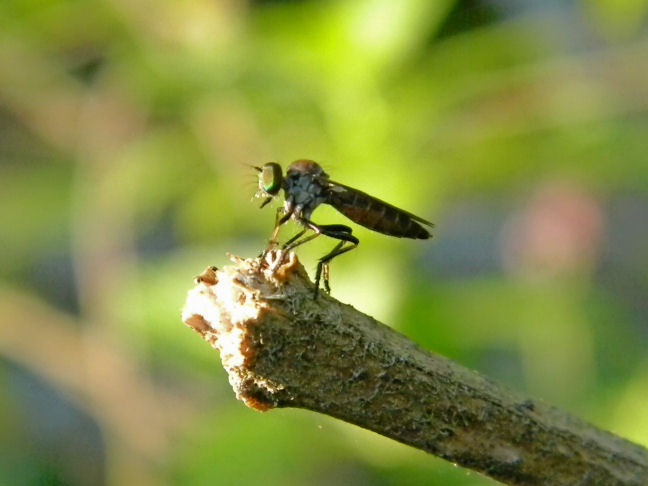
270	178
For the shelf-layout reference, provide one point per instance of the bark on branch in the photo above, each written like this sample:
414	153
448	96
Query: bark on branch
283	349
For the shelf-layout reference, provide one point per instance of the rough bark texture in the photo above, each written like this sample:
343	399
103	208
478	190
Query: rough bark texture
281	348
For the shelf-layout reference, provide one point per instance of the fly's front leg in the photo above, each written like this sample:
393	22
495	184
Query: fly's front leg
294	241
286	247
339	232
279	220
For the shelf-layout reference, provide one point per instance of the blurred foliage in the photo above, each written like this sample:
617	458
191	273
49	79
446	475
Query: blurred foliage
126	134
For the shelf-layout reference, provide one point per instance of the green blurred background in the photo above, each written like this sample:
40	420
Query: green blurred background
126	129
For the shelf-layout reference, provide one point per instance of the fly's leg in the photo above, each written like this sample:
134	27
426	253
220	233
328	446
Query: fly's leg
285	247
323	265
339	232
294	241
288	244
317	230
325	272
279	220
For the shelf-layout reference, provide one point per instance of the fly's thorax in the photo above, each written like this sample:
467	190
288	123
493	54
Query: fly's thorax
304	190
306	166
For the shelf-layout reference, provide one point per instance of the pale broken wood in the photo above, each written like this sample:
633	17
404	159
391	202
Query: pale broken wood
281	348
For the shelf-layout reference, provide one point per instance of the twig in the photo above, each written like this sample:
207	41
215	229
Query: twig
283	349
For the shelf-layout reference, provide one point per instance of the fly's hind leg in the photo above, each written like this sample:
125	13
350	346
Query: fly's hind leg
339	232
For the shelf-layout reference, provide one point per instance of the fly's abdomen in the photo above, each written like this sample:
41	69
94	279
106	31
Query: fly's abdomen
377	215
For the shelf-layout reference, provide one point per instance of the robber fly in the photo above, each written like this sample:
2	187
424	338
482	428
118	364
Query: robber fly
306	186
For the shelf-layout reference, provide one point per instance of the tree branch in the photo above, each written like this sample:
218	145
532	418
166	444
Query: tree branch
283	349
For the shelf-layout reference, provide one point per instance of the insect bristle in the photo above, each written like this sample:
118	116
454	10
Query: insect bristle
248	184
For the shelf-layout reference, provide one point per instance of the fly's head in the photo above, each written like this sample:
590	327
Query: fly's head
270	181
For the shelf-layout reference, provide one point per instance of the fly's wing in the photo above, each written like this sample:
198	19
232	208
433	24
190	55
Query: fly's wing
375	214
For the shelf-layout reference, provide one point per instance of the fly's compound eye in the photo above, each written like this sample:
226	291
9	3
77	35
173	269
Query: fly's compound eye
270	178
